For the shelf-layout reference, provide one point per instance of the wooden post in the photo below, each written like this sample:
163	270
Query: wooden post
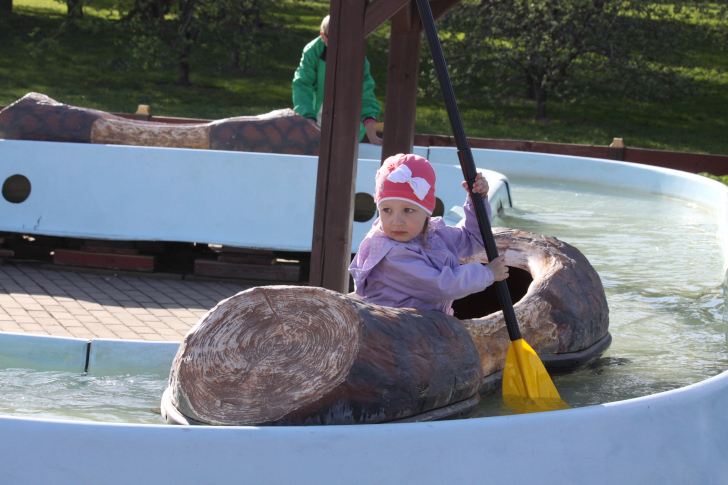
333	219
402	75
351	21
142	113
616	149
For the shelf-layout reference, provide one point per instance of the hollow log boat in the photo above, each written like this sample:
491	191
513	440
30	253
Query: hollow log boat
291	355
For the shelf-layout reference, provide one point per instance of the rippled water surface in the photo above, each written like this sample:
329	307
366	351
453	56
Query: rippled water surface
68	395
662	272
659	262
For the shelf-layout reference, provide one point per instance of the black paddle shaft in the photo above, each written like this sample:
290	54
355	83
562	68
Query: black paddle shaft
466	160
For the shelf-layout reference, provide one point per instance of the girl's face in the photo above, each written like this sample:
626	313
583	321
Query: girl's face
401	220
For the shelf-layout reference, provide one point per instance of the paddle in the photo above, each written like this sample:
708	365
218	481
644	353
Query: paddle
526	384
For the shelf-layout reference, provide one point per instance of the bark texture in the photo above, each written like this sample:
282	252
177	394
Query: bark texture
38	117
290	355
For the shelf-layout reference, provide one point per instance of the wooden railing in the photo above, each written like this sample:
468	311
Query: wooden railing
687	162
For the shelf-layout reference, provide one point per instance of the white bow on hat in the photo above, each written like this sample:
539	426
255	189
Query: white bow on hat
403	174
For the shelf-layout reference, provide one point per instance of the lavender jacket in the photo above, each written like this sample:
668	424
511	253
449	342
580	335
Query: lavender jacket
407	275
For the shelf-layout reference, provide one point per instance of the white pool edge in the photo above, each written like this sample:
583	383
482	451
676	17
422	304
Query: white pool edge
679	436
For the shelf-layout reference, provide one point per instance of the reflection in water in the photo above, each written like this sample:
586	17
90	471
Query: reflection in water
69	395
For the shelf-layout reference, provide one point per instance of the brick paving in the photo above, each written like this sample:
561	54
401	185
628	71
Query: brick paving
38	300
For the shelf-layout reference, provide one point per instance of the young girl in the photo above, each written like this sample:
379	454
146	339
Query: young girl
409	259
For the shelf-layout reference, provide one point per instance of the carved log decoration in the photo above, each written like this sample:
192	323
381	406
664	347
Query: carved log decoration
291	355
302	355
559	299
38	117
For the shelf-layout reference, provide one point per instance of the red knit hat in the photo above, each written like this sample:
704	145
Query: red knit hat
407	177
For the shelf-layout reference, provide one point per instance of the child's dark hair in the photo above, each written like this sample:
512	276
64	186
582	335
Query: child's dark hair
424	233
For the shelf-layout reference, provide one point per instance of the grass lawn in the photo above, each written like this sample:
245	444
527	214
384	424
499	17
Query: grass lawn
90	65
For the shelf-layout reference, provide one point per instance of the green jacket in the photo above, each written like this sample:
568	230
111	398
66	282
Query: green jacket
308	85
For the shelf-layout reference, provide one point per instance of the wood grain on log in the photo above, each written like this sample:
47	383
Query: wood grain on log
147	133
303	355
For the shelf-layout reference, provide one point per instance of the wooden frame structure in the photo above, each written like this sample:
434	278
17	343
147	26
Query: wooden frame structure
331	244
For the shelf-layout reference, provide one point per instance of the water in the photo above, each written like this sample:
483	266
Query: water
660	264
69	395
658	259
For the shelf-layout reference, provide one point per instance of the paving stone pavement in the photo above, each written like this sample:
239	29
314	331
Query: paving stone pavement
38	300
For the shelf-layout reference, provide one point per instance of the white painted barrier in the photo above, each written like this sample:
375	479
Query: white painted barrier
42	352
107	356
254	200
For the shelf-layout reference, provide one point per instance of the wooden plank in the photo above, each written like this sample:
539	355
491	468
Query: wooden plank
247	259
108	246
380	11
593	151
235	249
108	250
688	162
277	272
230	254
108	243
402	75
104	260
333	218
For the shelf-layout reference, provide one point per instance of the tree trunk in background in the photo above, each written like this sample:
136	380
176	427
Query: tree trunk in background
541	96
530	89
6	6
183	76
75	9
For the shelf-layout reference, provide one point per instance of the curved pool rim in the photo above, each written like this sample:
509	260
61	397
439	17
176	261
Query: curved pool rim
679	436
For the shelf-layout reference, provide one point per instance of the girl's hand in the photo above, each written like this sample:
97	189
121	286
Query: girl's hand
480	186
498	268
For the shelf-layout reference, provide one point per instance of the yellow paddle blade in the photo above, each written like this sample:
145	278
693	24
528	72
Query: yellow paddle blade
525	405
527	387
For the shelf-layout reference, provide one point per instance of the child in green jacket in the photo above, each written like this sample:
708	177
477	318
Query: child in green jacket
308	87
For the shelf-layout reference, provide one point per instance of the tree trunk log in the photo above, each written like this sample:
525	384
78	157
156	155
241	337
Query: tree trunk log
558	297
40	118
303	356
